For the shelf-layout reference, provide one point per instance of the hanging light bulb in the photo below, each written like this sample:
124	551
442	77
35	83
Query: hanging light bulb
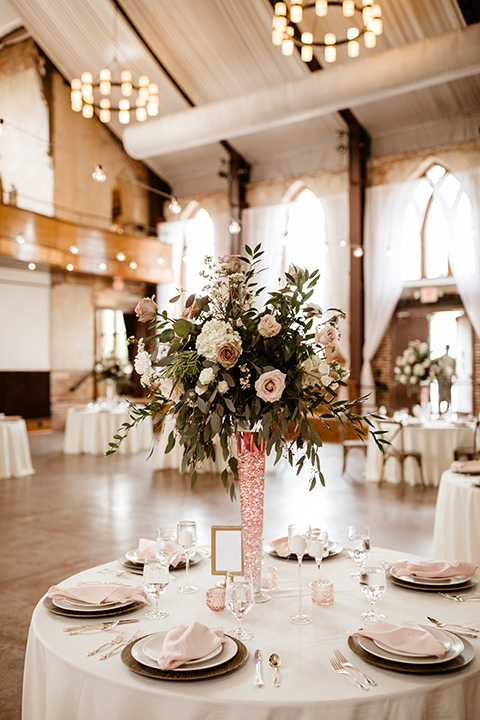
370	39
70	267
20	239
280	8
296	13
102	266
343	243
124	114
321	8
133	265
234	227
141	111
31	266
143	83
98	174
2	126
105	113
353	46
160	260
348	7
358	252
73	249
121	256
126	86
105	81
87	111
330	49
174	206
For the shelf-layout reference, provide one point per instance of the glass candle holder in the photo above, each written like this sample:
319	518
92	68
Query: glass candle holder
322	592
215	598
269	578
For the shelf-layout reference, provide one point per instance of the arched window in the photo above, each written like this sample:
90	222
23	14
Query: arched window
304	244
198	243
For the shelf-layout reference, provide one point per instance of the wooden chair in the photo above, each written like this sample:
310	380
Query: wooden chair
471	452
396	450
350	444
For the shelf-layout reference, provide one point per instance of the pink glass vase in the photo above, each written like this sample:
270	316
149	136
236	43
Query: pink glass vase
424	397
251	476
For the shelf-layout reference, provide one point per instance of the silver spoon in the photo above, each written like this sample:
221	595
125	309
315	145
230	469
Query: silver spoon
275	662
466	631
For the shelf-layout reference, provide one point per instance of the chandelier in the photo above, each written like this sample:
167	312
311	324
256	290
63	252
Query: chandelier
286	35
143	98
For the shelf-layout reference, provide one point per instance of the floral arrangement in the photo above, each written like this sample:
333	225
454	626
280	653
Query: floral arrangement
224	363
413	366
443	370
111	369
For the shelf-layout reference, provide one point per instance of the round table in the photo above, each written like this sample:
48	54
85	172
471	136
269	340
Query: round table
15	459
457	513
436	442
62	683
89	430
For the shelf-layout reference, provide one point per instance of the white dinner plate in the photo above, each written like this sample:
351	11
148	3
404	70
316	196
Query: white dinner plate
415	580
154	647
452	642
155	644
448	645
133	557
67	604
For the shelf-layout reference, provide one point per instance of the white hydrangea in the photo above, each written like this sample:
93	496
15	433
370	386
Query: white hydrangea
214	334
315	372
143	365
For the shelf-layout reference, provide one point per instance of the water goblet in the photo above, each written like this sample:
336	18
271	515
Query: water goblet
155	581
186	539
358	545
166	549
239	600
318	547
373	583
299	535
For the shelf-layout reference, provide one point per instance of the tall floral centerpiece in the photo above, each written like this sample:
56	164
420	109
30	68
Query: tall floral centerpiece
113	372
227	370
413	368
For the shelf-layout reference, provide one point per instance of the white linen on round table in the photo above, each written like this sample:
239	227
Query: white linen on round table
90	430
15	458
457	513
436	442
62	683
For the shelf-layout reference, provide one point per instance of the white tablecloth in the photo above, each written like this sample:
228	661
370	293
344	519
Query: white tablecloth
62	683
457	518
15	459
436	442
90	430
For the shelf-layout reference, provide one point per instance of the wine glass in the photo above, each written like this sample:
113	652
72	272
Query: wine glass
186	539
318	547
167	546
358	545
155	581
299	535
373	583
239	600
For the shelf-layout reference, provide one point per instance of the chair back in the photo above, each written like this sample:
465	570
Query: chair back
393	432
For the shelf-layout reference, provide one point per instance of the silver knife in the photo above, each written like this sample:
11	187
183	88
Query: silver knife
107	625
258	668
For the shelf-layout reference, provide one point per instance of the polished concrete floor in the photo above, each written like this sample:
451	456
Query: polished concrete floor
79	511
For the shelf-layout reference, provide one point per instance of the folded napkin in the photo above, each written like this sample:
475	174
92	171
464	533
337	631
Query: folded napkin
434	568
281	545
98	594
403	636
188	642
148	548
467	465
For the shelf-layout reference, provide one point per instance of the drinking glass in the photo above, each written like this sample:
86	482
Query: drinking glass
239	600
155	581
299	535
167	546
318	547
358	545
186	539
373	584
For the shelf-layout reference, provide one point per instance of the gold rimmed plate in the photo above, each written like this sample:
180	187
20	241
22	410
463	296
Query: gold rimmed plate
234	663
129	607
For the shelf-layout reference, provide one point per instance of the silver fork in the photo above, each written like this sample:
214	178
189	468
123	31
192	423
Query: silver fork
120	645
345	663
461	598
117	639
338	667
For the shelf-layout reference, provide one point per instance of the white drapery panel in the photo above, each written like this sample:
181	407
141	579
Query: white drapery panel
174	233
385	214
267	226
336	280
222	238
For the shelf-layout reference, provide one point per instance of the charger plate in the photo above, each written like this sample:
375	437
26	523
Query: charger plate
137	567
435	581
235	662
465	657
434	588
131	607
334	548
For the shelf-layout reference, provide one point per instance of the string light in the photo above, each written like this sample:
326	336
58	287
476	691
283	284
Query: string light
20	239
31	266
358	252
174	207
102	266
160	260
133	265
73	249
2	126
234	228
98	174
121	256
70	267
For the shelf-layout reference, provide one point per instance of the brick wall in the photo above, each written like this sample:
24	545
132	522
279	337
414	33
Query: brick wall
62	397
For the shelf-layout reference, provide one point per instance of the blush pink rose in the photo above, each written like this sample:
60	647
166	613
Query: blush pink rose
227	354
327	335
146	309
268	326
190	312
270	385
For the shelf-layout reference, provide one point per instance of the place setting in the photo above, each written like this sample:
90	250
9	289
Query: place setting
434	575
103	600
321	547
174	545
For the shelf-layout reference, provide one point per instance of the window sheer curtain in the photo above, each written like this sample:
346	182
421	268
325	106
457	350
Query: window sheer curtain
173	233
385	214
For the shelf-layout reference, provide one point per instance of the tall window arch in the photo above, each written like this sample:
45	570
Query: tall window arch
198	243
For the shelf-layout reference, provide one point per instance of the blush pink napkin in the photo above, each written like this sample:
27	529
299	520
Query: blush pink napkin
97	594
434	568
188	642
403	636
148	548
467	465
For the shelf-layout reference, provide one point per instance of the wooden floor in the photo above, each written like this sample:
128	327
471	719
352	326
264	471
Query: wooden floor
79	511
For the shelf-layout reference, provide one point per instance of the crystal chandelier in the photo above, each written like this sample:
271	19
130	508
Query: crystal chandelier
286	35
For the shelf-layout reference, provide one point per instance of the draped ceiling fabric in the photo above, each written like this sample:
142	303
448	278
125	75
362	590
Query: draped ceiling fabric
385	213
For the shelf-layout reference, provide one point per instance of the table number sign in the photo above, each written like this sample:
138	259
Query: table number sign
227	550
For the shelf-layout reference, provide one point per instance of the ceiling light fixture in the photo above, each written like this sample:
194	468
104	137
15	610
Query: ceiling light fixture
143	97
174	207
234	228
99	174
285	35
102	266
31	266
358	252
121	256
133	265
70	267
20	239
73	249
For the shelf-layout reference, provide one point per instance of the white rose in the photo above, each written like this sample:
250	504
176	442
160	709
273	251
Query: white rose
418	369
206	376
223	387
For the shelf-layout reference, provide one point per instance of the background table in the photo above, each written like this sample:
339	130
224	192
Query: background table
173	459
90	430
457	514
15	459
62	683
436	442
